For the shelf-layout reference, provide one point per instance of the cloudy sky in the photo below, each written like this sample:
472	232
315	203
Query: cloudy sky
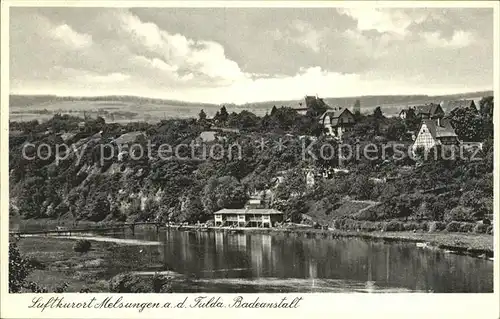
253	54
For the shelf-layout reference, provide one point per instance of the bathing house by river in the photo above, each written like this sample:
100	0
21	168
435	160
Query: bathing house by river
247	217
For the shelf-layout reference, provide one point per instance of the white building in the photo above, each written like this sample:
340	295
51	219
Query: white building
433	133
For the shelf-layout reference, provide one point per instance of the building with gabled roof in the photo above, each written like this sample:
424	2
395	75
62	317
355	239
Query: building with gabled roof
337	121
300	109
450	106
433	133
429	111
403	114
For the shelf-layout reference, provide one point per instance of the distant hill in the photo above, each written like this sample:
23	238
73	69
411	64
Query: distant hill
40	107
371	101
27	100
366	101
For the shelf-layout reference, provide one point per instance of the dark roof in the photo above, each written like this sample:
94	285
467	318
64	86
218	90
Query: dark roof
429	109
257	211
451	105
443	130
334	114
311	99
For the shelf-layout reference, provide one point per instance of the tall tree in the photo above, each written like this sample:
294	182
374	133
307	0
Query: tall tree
467	125
357	107
223	114
274	109
202	115
486	107
412	121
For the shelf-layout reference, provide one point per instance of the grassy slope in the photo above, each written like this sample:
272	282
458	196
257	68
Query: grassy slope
347	208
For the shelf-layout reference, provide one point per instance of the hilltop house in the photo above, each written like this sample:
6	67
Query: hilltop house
337	121
301	109
312	100
206	137
403	114
314	103
130	138
430	111
433	133
82	126
259	199
450	106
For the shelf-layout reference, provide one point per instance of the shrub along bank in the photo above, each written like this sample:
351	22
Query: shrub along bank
427	226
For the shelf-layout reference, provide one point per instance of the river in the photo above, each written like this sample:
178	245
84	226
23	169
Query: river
224	262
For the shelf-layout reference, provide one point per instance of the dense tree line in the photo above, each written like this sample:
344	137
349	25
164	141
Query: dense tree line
191	189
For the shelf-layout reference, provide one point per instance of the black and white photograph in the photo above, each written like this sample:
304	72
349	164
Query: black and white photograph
236	150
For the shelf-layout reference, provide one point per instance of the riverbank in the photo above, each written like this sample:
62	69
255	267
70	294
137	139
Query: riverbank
472	244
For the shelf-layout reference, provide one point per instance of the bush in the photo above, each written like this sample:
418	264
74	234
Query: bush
61	288
415	226
489	230
19	269
393	226
453	226
466	227
436	226
459	213
480	228
367	214
210	223
129	283
161	284
369	226
35	263
82	246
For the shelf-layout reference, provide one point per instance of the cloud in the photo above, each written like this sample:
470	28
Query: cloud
382	20
460	39
372	43
70	37
108	78
241	55
308	37
173	53
301	33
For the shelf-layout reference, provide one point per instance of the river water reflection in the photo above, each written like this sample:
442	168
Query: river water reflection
223	262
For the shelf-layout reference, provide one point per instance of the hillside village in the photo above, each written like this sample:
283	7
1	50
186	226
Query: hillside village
285	187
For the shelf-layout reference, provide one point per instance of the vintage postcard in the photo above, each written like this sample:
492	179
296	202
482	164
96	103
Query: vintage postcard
242	159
